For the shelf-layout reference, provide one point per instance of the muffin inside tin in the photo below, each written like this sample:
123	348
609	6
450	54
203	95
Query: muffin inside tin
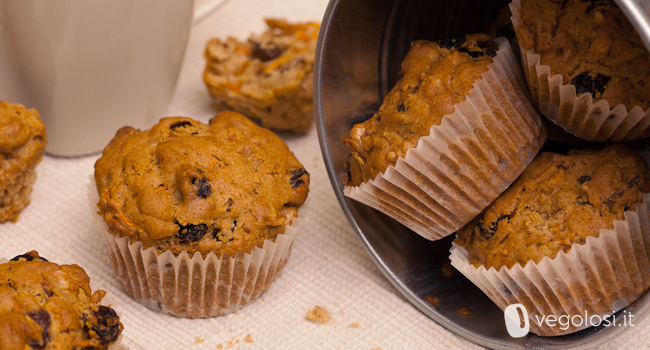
361	47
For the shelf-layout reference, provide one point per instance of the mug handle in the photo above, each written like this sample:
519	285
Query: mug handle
202	8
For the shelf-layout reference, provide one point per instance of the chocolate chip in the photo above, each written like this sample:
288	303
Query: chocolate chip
586	83
233	226
104	322
401	107
266	52
179	125
28	257
295	180
635	181
192	233
204	190
584	179
43	318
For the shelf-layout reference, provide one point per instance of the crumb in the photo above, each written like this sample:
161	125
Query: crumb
325	258
219	346
248	338
341	311
198	340
463	311
448	269
432	300
354	325
377	348
318	315
236	312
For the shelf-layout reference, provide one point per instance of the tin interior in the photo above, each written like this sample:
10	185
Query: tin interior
361	46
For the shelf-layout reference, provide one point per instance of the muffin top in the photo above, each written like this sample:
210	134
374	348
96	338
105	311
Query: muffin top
22	137
592	45
435	77
186	186
559	200
49	306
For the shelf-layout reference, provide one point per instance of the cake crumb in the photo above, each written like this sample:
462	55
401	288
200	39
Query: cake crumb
377	348
432	300
198	340
219	346
318	315
248	338
448	269
354	325
463	311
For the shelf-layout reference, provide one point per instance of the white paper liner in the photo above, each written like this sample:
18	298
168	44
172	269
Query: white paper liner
579	115
106	301
467	161
600	277
195	287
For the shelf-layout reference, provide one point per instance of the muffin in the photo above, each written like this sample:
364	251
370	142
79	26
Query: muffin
587	68
22	144
569	236
44	305
269	77
199	217
452	134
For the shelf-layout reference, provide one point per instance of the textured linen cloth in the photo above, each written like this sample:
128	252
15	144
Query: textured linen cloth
328	266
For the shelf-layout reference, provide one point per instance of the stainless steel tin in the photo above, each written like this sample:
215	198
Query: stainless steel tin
360	48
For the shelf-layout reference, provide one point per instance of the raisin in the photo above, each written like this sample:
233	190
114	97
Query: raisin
233	226
28	257
267	52
204	190
616	195
43	318
488	48
104	323
454	42
584	179
192	233
295	180
180	125
495	225
586	83
401	107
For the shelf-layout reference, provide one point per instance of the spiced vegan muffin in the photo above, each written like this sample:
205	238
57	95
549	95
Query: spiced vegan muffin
569	237
223	191
22	144
460	104
591	47
48	306
267	78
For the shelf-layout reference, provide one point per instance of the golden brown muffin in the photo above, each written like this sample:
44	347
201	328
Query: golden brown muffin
592	45
22	144
49	306
436	77
269	77
558	201
186	186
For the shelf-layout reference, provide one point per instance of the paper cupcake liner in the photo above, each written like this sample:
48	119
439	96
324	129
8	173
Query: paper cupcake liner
597	278
106	301
579	115
195	286
467	161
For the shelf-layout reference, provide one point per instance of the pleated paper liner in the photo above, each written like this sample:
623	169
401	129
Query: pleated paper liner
597	278
467	161
106	301
579	115
195	286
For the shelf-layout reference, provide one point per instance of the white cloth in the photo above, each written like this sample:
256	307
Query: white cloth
328	266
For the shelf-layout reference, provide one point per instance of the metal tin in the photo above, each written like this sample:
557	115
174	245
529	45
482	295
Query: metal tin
360	48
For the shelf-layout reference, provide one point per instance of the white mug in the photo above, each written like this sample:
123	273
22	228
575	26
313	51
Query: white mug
92	66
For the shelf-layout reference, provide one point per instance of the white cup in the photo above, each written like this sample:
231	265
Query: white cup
92	66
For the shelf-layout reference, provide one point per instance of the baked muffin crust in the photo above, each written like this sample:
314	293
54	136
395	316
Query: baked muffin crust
49	306
558	201
436	76
186	186
592	45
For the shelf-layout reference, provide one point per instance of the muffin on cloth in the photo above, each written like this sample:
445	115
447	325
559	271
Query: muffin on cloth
48	306
570	236
455	131
198	219
586	67
268	78
22	144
